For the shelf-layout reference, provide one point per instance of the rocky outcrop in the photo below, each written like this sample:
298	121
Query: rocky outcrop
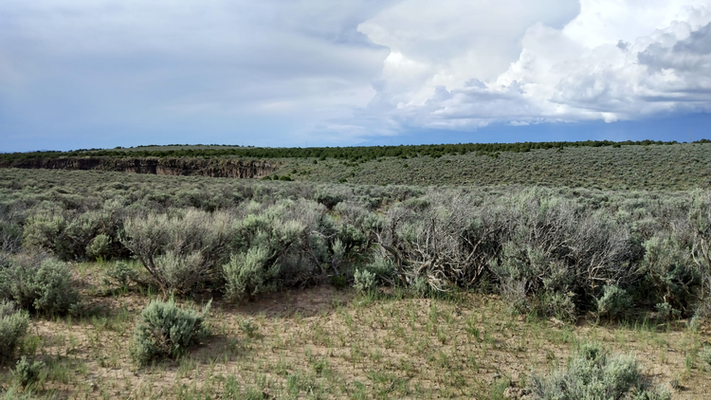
215	167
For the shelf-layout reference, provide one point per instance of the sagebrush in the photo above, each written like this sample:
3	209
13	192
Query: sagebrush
166	330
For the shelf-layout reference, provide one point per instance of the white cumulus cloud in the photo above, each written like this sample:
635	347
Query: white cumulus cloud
464	65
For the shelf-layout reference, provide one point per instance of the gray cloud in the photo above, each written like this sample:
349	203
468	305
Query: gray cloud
278	72
98	65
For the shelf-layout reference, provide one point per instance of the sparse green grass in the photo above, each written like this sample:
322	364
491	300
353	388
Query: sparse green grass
383	346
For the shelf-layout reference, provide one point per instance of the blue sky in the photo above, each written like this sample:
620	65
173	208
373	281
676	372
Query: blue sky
106	73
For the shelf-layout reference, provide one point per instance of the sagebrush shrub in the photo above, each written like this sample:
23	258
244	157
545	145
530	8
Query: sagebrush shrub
592	374
13	327
42	285
705	356
257	265
553	251
364	281
250	273
10	239
669	272
44	231
180	252
121	275
288	243
534	245
700	224
166	330
614	303
558	304
99	247
69	234
444	240
382	268
666	312
328	198
27	372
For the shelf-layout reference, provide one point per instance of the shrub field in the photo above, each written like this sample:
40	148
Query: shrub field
644	165
139	286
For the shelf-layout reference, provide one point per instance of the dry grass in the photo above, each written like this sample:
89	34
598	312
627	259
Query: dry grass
326	343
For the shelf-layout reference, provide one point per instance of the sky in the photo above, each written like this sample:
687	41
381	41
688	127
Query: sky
301	73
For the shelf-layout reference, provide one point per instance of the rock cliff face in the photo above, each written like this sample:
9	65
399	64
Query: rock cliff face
161	166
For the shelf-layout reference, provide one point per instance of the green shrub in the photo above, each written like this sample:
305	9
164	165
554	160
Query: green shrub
10	238
351	238
121	275
249	328
382	267
558	304
446	240
705	356
614	303
181	253
165	330
277	248
364	281
328	198
665	312
670	276
13	327
339	281
70	234
99	248
41	285
553	252
27	373
250	273
592	374
44	231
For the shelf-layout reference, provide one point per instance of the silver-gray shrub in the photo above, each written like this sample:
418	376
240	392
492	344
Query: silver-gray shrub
180	252
333	239
166	330
614	302
329	196
557	251
592	374
445	239
705	357
700	226
99	247
669	273
13	327
43	229
315	245
69	234
364	281
380	271
10	239
356	225
39	284
122	275
292	242
266	251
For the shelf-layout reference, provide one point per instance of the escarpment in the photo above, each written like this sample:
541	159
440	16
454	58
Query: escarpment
214	167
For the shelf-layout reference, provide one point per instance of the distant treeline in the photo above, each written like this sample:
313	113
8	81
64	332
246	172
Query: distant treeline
350	153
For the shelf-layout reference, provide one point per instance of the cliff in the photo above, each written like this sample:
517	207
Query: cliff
215	167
